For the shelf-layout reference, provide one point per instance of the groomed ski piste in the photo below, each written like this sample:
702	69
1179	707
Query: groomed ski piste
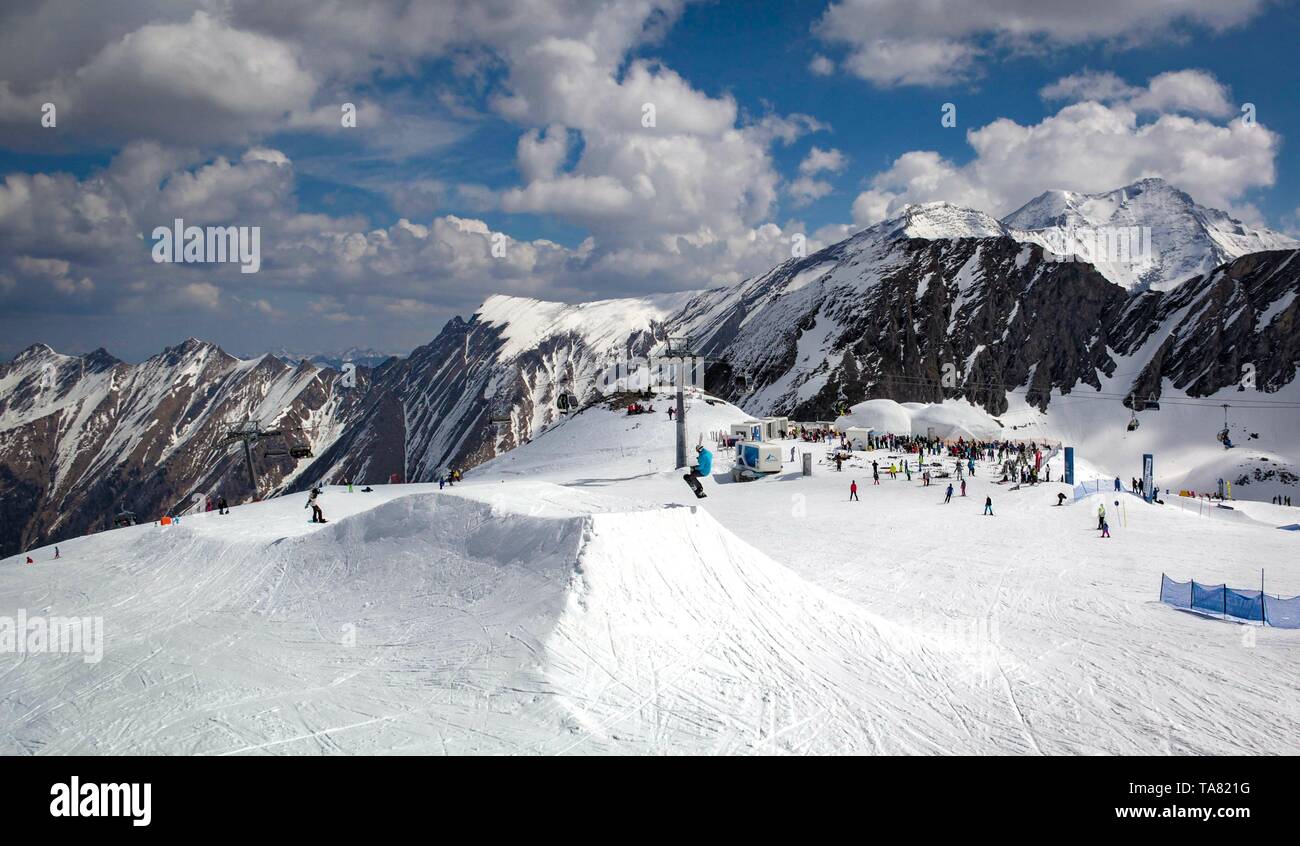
574	597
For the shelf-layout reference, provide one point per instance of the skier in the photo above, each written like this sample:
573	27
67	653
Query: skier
792	449
672	412
703	466
988	505
963	487
1060	499
1105	529
1101	515
853	490
948	496
317	516
839	463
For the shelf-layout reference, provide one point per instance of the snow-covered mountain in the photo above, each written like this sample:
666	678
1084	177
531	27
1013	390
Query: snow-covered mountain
489	383
1186	239
938	304
359	356
85	437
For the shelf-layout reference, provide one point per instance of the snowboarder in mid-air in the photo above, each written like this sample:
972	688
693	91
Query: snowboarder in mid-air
703	466
317	516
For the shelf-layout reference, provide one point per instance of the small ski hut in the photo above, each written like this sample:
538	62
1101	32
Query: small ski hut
857	436
755	459
750	430
774	426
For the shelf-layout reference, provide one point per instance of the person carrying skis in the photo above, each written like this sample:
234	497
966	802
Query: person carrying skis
988	506
317	516
948	496
853	491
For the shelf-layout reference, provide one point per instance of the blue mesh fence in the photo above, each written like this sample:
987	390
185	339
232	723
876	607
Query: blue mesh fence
1254	605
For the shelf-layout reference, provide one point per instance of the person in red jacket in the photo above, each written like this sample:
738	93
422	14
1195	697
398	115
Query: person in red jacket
853	490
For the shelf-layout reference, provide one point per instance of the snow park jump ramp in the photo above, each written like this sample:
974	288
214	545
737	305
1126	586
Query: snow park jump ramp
458	622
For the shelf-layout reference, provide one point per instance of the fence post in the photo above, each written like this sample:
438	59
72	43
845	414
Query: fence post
1263	601
1225	600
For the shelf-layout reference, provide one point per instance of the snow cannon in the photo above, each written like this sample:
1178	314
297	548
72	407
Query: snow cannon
754	460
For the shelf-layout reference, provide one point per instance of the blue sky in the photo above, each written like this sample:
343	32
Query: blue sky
522	120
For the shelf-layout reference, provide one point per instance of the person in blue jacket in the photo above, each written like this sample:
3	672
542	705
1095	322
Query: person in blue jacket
703	466
704	461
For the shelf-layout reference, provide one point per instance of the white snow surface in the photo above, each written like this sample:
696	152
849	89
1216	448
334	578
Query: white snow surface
573	597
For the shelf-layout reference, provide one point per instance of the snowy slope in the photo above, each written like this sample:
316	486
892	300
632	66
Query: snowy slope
578	608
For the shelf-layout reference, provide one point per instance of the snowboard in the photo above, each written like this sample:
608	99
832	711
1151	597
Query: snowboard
695	486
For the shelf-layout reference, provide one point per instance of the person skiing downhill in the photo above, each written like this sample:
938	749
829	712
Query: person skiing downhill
317	516
948	496
853	491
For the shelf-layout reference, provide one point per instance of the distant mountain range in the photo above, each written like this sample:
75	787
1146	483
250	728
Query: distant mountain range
360	356
938	303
